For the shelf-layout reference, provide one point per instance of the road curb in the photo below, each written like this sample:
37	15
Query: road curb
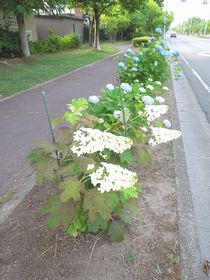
191	264
7	208
59	77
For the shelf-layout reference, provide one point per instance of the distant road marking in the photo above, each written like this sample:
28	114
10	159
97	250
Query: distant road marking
196	74
204	53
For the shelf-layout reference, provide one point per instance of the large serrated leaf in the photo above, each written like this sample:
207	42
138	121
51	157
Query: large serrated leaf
98	224
57	121
45	146
71	169
127	157
64	135
72	189
83	162
128	193
96	202
125	216
116	231
44	167
133	207
59	213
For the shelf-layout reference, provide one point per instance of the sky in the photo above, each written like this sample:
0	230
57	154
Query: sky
182	11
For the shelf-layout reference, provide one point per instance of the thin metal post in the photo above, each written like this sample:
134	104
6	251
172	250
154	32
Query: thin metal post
44	96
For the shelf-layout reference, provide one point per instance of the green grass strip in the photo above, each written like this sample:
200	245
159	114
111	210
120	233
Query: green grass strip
40	68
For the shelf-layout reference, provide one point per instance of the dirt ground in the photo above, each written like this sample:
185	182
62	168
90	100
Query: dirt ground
150	251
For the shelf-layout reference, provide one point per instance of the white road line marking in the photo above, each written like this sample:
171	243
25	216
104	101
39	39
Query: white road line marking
196	74
204	53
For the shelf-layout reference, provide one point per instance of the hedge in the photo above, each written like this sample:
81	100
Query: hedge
140	40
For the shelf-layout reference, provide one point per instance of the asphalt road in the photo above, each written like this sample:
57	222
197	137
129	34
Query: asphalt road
23	119
195	54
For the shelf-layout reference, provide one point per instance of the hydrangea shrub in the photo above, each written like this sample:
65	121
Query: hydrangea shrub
91	161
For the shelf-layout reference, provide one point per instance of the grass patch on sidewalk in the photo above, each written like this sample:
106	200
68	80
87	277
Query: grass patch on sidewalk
28	72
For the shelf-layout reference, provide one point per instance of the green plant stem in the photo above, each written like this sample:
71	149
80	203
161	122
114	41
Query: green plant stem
123	113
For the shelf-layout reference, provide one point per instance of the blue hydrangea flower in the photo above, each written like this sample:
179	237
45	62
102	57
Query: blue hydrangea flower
167	124
163	42
158	30
117	114
126	87
135	58
93	99
134	69
152	38
147	100
159	48
129	51
176	53
165	54
110	87
121	64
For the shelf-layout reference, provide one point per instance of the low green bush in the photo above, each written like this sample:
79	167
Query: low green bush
9	44
140	40
70	41
54	43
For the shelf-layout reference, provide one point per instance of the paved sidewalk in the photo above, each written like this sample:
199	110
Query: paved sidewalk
23	119
193	196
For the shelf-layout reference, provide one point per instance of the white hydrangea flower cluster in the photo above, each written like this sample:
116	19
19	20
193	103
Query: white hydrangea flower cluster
165	88
142	90
89	141
158	83
153	112
113	177
159	99
163	135
150	87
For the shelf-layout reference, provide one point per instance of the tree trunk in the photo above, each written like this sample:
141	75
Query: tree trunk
23	36
96	44
91	22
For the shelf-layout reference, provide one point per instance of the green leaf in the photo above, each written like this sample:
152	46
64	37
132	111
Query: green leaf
45	146
83	162
59	213
126	157
79	225
72	189
125	216
98	224
96	202
133	207
73	118
144	157
116	231
77	107
56	121
128	193
45	169
64	135
79	104
71	169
